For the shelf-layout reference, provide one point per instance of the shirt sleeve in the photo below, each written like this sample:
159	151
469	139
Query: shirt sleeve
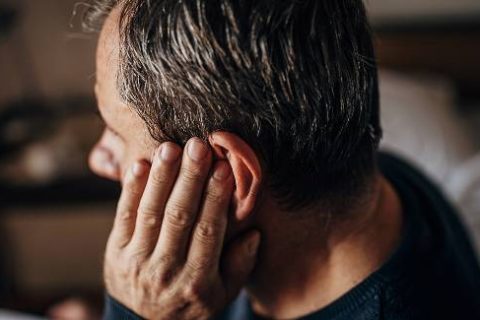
114	310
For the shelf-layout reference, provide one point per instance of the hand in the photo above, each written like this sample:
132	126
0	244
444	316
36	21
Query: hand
163	257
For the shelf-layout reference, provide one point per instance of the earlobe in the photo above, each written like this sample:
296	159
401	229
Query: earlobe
245	167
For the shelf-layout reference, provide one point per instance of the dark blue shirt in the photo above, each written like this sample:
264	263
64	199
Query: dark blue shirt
434	274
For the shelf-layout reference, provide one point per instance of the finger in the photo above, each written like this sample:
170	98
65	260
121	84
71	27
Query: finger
239	262
159	185
182	206
209	232
132	190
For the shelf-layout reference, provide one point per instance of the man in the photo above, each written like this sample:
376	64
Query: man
279	194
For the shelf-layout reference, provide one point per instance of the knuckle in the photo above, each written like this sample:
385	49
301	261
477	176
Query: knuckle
194	291
192	173
198	267
150	221
206	231
178	216
149	216
126	214
159	277
215	195
165	260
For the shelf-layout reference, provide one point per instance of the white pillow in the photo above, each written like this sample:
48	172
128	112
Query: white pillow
420	123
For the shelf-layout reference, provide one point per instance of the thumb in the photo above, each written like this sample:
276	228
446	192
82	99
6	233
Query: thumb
239	262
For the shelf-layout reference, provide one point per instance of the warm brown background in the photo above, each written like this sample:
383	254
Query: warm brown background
56	249
59	58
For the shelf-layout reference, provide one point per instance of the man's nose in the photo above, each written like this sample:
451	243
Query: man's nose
102	162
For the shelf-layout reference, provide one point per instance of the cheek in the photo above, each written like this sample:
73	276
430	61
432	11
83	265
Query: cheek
111	156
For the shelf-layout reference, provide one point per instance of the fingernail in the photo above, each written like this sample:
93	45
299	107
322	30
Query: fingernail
169	152
197	150
138	169
254	244
222	171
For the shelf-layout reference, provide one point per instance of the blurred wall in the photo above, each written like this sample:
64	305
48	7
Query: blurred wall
44	55
405	10
51	248
57	248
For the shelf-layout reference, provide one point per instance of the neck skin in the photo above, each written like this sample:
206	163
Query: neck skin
306	262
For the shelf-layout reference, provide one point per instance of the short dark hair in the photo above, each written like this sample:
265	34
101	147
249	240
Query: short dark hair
296	79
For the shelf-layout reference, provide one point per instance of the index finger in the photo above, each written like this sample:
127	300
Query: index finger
133	186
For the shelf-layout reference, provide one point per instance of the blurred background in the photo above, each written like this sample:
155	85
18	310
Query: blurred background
55	215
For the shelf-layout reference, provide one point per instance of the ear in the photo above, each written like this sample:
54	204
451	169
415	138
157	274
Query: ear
245	168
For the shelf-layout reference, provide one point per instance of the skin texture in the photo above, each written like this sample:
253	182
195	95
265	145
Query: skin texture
163	254
184	241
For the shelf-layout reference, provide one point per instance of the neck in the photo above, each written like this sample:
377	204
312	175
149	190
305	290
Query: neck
305	264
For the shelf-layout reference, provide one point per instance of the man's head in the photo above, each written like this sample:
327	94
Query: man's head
295	80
